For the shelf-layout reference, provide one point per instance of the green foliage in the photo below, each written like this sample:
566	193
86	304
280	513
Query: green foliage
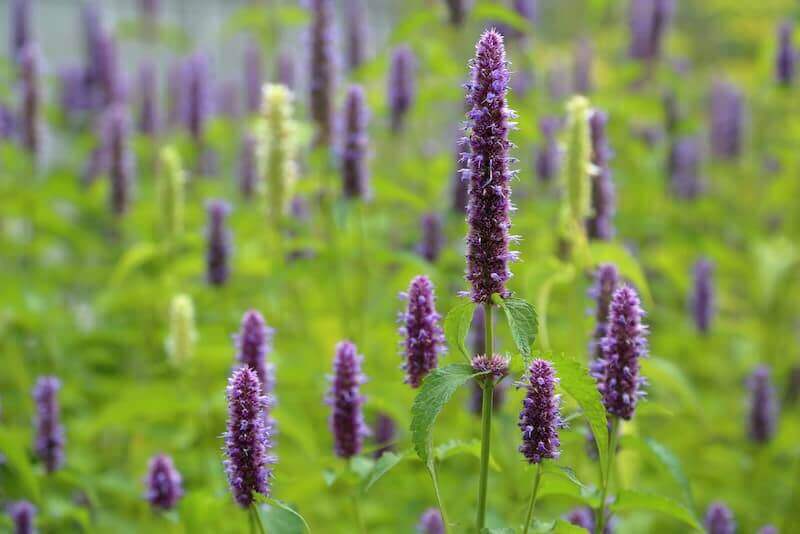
522	322
456	326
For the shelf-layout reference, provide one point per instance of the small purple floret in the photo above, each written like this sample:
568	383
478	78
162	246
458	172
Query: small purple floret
347	420
355	171
431	522
540	418
23	516
719	519
423	339
164	483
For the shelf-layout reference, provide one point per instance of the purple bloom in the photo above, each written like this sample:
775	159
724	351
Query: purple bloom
23	516
49	443
431	522
423	338
719	519
432	239
460	186
164	486
75	94
683	167
355	174
109	81
8	122
19	18
96	165
583	516
93	31
763	415
226	99
494	366
617	371
457	10
385	432
582	68
285	70
218	239
196	95
247	439
727	117
768	529
548	156
402	82
31	98
116	145
599	225
540	418
786	55
148	100
345	399
702	299
356	33
253	345
253	76
321	80
606	281
488	170
248	166
648	20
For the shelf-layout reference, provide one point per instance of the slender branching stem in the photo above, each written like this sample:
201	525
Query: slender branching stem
486	419
532	502
612	453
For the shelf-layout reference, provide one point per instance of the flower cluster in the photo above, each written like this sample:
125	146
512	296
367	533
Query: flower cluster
279	148
321	80
49	441
763	416
719	519
540	418
683	167
401	85
164	483
727	120
345	399
599	224
606	281
355	172
218	238
702	300
423	339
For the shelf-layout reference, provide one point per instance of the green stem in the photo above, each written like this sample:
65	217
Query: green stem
440	502
357	514
486	419
532	502
257	520
612	453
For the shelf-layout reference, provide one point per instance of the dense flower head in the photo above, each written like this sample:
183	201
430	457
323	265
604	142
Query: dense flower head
423	339
116	139
355	171
284	70
149	122
617	371
218	238
23	516
684	167
279	148
253	346
786	55
600	225
488	170
322	65
20	19
30	98
347	420
727	120
702	299
182	333
110	83
494	366
606	281
763	414
648	20
248	165
384	434
431	522
540	418
719	519
247	439
457	10
195	96
164	485
49	439
253	76
430	245
402	82
548	155
582	67
356	13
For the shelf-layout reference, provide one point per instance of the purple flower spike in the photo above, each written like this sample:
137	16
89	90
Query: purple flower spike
583	516
31	97
119	158
49	444
423	339
23	515
253	345
540	418
8	122
226	99
247	440
356	33
488	170
346	420
148	100
355	173
786	55
402	84
702	300
285	70
719	519
617	371
164	484
432	239
648	20
253	76
727	117
763	416
582	69
384	434
606	281
431	522
494	366
321	80
248	166
19	18
218	238
457	10
197	95
684	168
548	156
600	225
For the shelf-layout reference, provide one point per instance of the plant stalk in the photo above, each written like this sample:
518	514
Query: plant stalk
486	419
357	513
600	520
532	502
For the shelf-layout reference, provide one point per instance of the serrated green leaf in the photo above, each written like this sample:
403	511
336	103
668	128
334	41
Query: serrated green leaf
523	323
456	326
634	500
436	390
281	518
385	463
456	447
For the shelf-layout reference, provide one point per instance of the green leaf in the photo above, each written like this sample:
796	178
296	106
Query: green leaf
576	381
522	321
456	326
385	463
136	256
436	390
13	448
280	518
562	471
562	526
666	459
628	265
634	500
456	447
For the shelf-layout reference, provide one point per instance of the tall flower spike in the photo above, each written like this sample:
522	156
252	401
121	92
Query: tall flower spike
489	205
402	84
247	439
548	155
727	117
31	98
702	299
8	122
219	243
149	123
111	88
74	91
284	70
719	519
431	522
540	418
171	192
786	55
164	486
684	168
579	152
582	67
617	372
253	76
432	239
196	96
763	416
356	33
384	434
49	443
23	516
182	333
606	281
248	165
346	420
457	10
321	79
355	171
19	18
120	158
600	225
423	339
648	20
253	345
279	148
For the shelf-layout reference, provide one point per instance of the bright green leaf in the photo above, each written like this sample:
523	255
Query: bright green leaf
456	447
456	326
634	500
385	463
280	518
523	323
